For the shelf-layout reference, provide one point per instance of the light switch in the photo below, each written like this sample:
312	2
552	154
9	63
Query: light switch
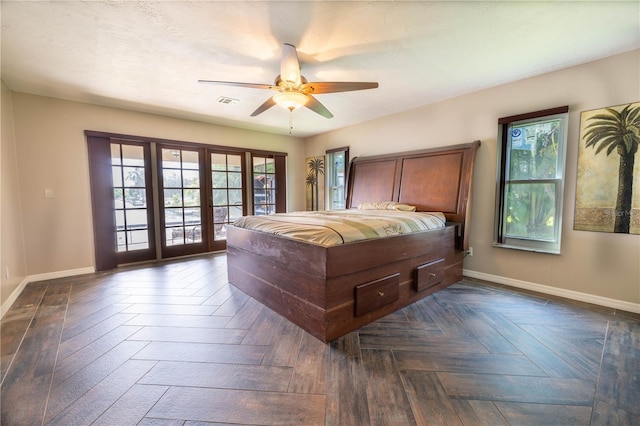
48	193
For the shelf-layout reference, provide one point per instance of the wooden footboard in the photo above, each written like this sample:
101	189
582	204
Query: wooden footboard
330	291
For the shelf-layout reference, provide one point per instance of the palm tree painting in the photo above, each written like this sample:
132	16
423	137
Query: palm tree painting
315	183
608	183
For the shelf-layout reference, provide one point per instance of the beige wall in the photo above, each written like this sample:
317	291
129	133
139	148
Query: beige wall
604	265
52	154
12	252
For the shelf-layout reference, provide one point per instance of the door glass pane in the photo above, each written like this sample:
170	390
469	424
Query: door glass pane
192	216
235	180
130	196
119	214
116	173
192	197
116	158
235	212
132	155
220	214
171	178
135	197
118	198
226	173
121	241
174	217
136	219
181	191
219	179
220	197
258	164
190	160
235	197
234	163
133	176
191	178
173	197
171	158
218	162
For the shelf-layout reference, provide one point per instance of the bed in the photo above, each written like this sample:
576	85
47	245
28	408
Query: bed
331	290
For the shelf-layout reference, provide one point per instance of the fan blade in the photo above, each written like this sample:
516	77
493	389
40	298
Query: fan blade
232	83
333	87
289	65
265	106
314	105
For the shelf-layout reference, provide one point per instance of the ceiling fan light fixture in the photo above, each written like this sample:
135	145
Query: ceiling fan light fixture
290	100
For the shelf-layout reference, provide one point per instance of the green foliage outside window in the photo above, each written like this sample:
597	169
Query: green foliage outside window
530	203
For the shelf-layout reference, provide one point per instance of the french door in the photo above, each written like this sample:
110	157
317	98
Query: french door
132	212
202	192
157	199
227	193
181	181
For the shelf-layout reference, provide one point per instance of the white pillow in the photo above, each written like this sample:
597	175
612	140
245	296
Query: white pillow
386	205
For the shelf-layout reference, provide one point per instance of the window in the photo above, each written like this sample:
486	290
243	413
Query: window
530	174
337	161
268	177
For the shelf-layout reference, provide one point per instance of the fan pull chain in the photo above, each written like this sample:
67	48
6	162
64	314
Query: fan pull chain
290	121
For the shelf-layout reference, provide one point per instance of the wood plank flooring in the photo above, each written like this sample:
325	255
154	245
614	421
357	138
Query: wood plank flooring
174	344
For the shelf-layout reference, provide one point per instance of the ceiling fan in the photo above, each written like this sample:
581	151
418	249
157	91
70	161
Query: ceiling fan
293	89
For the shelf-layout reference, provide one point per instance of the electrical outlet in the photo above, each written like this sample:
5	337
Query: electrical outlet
470	251
6	272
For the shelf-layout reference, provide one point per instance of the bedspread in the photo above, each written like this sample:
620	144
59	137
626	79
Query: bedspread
336	227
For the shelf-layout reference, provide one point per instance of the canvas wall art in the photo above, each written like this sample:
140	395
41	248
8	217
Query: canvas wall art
315	183
608	180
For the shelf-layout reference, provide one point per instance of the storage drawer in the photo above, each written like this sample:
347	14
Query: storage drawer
374	294
429	274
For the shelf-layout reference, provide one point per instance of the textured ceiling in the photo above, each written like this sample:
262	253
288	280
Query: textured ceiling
148	56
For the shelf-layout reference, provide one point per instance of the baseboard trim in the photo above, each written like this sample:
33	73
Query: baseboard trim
61	274
41	277
12	297
555	291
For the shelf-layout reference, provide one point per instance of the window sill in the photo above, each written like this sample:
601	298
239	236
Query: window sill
531	249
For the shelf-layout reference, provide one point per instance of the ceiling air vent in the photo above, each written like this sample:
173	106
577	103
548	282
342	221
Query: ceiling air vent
227	101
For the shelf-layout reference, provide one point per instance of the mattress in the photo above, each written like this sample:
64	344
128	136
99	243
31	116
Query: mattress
328	228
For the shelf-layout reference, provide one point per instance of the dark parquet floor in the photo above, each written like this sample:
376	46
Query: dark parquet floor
175	344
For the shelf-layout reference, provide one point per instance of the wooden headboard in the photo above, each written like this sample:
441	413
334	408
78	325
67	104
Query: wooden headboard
437	179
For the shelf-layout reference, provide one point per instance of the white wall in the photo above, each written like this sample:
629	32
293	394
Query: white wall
593	266
52	154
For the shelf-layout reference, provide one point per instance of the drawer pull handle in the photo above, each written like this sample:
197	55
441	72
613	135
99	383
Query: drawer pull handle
432	274
380	293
